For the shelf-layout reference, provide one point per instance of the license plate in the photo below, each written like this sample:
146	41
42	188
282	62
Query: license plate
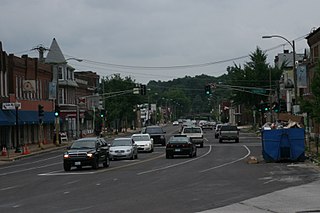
77	163
177	150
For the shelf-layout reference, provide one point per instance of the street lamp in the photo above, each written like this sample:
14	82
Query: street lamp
292	44
57	65
18	148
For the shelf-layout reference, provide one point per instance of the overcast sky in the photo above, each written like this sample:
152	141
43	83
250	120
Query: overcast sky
156	33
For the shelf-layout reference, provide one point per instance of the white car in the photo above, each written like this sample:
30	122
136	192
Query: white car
143	141
123	148
175	123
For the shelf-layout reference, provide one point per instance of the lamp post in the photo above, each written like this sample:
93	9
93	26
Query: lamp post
18	148
292	44
57	66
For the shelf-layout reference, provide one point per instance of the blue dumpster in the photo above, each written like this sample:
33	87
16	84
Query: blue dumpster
283	144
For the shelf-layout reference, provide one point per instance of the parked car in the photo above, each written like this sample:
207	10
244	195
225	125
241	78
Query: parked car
180	145
143	141
86	152
194	133
123	148
157	134
229	132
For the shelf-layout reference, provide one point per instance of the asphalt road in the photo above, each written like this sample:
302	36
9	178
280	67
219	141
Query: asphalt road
218	176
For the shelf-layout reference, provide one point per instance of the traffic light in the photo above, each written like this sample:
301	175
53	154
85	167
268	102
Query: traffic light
282	105
40	111
56	111
275	107
102	113
264	107
143	89
207	89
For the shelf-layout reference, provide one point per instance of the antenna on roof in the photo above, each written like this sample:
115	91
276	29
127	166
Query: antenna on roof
41	49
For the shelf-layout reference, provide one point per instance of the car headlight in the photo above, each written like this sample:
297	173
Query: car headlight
66	155
128	150
111	150
89	155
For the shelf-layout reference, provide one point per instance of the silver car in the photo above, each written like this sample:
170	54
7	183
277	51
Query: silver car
123	148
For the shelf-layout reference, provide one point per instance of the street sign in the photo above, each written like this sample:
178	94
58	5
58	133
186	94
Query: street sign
9	106
259	91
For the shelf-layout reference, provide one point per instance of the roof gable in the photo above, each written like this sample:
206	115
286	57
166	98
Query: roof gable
55	54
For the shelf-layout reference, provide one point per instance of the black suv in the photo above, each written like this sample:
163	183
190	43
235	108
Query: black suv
87	152
157	133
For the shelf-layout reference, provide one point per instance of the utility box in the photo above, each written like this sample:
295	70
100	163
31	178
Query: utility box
283	144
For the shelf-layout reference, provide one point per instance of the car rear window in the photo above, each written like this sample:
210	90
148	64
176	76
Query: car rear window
229	128
154	130
192	130
178	140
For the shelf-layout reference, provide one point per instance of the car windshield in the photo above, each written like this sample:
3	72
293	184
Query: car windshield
157	130
122	143
192	130
140	138
83	144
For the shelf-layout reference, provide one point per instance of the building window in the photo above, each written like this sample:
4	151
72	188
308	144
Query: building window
60	72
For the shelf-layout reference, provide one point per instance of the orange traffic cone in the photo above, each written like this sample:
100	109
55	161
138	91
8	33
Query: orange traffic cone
26	150
4	151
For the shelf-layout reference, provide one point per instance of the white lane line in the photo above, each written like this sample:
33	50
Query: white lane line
66	173
229	163
135	162
28	169
33	162
8	188
174	165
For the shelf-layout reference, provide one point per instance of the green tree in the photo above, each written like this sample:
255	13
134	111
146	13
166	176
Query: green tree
254	74
119	100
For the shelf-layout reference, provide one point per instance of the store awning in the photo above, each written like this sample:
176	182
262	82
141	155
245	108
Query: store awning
8	117
48	117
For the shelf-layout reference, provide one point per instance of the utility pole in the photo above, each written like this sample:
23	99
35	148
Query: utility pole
41	49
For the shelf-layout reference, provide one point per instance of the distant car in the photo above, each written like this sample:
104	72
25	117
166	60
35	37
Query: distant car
180	145
143	141
157	134
175	123
123	148
86	152
194	133
207	125
229	133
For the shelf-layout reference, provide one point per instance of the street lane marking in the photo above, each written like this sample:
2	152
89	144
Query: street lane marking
28	169
229	163
177	164
33	162
61	172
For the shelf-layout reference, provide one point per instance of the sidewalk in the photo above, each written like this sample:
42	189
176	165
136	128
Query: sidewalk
304	198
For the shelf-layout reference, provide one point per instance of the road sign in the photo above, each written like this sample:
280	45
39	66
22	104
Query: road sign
9	106
259	91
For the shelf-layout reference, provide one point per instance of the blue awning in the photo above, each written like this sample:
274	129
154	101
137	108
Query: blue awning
48	117
8	117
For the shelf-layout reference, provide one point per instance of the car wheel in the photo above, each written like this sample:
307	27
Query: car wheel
66	167
195	154
132	156
95	164
191	155
237	140
107	162
169	156
201	145
220	140
136	156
